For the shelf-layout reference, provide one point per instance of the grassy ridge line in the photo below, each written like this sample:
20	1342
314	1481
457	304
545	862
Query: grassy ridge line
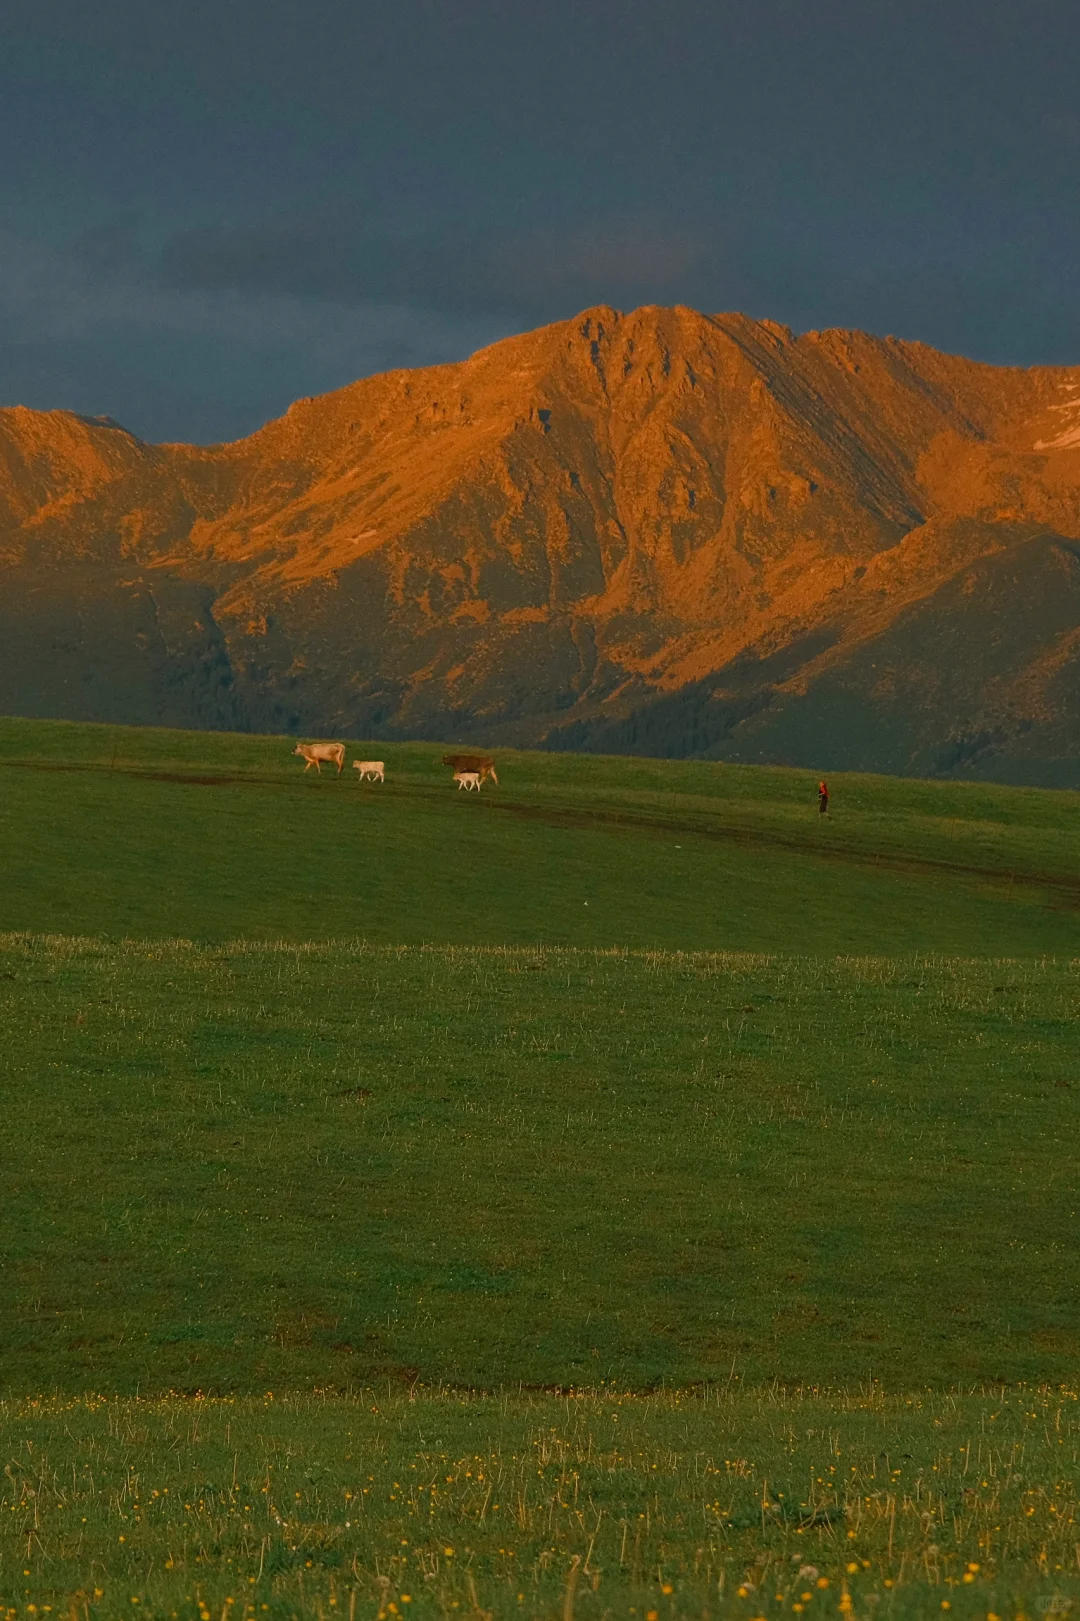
878	808
732	1502
145	833
887	967
251	1168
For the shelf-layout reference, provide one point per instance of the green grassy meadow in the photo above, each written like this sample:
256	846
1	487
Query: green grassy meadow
748	1131
124	832
730	1503
253	1167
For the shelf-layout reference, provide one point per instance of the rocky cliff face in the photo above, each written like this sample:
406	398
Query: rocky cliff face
660	532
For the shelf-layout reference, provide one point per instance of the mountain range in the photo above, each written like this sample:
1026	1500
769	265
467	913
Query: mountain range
659	532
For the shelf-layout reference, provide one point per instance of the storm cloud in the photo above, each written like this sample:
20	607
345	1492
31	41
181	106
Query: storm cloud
536	275
208	209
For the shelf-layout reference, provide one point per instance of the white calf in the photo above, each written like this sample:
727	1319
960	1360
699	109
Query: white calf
375	769
467	779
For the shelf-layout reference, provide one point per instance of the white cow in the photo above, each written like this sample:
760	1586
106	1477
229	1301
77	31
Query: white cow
375	769
315	753
467	780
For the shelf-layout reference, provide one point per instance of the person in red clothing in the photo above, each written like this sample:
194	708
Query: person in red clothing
823	798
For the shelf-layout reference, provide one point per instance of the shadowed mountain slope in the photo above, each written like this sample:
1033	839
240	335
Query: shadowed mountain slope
660	532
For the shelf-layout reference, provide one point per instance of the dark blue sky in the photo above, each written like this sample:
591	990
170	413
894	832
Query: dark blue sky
210	207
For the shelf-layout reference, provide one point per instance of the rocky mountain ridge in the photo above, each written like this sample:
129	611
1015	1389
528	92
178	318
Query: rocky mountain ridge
660	532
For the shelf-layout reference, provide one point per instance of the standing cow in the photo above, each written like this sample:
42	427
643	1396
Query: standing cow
482	763
314	754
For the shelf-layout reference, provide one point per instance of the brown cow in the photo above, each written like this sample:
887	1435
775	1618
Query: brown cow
482	763
313	754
